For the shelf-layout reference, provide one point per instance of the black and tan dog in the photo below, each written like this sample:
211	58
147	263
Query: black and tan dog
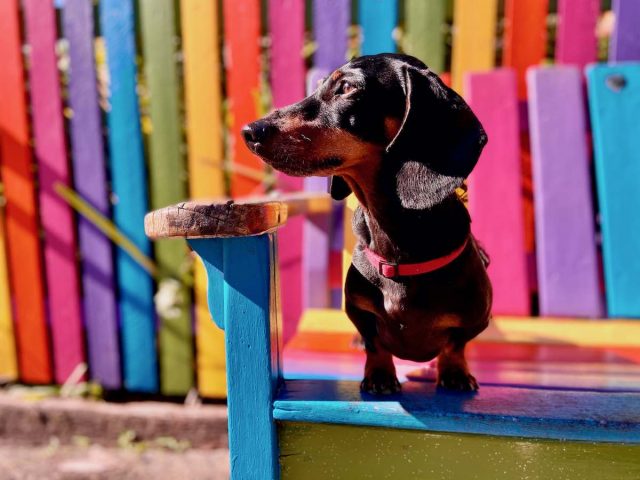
386	128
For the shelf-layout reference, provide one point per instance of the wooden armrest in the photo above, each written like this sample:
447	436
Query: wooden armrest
232	218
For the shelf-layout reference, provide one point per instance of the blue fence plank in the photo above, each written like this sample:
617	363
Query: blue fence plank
378	19
614	99
129	183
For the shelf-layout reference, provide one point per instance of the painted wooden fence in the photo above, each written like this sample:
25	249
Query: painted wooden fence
133	117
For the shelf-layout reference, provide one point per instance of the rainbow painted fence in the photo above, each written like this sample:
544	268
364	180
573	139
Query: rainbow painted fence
126	106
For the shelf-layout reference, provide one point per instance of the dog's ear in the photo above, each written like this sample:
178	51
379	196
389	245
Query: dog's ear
338	188
439	140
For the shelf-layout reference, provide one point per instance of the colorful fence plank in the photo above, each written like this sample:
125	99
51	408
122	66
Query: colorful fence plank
525	37
378	19
568	275
63	287
129	184
205	139
89	173
424	32
474	30
166	182
331	19
25	265
242	65
286	24
614	100
624	44
495	191
8	360
576	42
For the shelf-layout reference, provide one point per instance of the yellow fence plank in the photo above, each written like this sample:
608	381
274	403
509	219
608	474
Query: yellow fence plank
474	38
8	363
203	100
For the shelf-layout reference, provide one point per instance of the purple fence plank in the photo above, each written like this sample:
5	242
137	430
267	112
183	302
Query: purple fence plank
576	33
625	40
91	184
565	231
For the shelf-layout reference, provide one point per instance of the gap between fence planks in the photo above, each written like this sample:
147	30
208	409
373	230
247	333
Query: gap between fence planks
24	260
203	102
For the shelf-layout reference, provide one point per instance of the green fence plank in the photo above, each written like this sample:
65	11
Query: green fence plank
424	31
167	176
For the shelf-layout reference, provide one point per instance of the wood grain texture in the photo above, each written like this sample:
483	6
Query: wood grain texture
22	225
89	173
344	451
425	32
495	191
624	44
63	286
576	42
8	359
210	220
614	100
504	411
242	67
129	185
378	19
568	270
474	27
205	140
286	27
167	174
525	37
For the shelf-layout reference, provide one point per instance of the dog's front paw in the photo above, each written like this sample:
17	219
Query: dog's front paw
380	382
458	380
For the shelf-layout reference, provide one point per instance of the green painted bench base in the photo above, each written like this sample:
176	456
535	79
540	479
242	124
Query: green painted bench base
322	451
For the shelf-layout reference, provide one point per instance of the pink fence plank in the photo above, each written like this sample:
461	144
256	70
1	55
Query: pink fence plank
286	25
495	189
576	33
565	231
56	215
625	40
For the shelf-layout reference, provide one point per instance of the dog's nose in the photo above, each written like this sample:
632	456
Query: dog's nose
256	132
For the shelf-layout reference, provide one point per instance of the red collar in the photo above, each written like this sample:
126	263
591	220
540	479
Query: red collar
393	270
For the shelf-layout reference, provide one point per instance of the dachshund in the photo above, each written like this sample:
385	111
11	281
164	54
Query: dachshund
386	128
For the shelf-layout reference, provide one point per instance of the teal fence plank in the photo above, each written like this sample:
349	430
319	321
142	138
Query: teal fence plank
129	183
378	19
614	99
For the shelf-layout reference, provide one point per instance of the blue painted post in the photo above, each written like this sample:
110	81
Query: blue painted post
614	100
242	271
129	183
378	19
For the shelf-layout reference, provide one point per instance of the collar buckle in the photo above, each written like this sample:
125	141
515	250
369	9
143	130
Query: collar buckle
388	269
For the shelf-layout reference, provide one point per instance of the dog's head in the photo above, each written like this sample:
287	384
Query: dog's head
383	111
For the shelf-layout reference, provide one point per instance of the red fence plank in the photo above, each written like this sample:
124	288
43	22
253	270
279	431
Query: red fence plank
242	63
25	266
56	215
495	189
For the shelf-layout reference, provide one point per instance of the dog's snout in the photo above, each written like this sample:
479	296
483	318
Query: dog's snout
257	132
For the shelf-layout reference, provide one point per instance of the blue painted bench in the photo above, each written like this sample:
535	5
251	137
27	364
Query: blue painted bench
325	428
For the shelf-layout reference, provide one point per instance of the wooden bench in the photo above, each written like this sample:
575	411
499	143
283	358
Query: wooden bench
562	404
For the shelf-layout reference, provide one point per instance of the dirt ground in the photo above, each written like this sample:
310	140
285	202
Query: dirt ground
94	462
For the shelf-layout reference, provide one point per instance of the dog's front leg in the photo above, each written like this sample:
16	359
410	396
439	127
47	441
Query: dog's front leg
453	371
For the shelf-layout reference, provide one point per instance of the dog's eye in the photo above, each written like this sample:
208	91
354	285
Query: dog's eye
345	87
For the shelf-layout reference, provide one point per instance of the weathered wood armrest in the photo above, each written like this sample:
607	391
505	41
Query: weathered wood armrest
232	218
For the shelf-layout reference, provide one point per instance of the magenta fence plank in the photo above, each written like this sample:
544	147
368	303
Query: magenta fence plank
495	189
89	172
576	32
625	39
568	275
286	26
57	216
